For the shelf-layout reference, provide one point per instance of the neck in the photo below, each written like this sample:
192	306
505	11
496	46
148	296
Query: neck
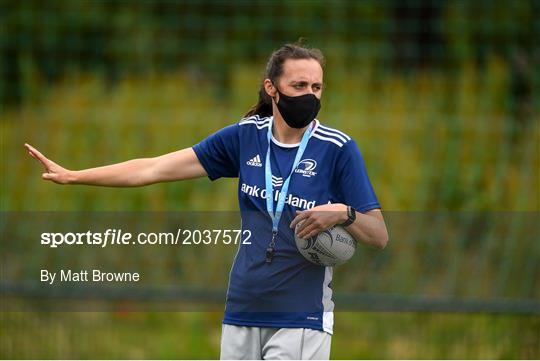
285	134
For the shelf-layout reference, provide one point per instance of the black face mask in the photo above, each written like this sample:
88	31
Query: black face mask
298	111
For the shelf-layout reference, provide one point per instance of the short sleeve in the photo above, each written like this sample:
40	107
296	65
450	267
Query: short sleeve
219	153
352	184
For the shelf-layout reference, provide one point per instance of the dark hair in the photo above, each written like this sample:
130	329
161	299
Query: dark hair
274	69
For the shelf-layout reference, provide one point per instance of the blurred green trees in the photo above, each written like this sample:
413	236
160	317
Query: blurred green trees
116	38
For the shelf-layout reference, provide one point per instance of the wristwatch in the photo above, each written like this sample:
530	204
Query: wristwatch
351	213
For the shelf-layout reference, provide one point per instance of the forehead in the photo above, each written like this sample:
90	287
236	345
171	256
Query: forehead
302	69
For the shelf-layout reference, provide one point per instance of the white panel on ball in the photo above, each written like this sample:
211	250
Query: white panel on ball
332	247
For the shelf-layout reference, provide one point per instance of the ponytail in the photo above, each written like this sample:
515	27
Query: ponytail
263	108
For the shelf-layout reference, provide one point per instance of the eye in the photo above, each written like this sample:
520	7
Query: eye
298	86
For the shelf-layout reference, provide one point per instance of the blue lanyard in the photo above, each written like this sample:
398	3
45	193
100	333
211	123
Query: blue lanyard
285	188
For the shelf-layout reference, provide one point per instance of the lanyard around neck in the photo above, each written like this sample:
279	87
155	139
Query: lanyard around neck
285	188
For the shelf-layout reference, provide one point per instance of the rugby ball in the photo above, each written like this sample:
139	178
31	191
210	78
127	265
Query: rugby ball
331	247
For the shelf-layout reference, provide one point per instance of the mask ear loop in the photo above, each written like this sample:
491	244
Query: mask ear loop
277	92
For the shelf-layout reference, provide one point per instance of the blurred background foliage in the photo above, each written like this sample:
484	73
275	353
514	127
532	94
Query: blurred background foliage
442	98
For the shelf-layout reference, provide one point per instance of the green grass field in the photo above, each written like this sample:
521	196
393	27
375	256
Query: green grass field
165	335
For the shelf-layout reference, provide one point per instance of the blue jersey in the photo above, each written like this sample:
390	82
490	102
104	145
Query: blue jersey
290	291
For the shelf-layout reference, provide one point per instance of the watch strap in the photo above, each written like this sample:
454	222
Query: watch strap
351	213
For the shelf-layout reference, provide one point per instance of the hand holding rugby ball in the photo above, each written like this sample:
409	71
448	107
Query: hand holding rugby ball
331	247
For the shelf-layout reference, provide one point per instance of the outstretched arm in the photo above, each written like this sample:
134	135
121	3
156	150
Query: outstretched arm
179	165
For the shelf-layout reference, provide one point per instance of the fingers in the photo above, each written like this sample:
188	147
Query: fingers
53	171
299	217
311	230
36	154
52	177
33	151
313	222
300	230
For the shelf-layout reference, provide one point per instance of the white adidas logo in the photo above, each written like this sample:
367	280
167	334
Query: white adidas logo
277	181
255	161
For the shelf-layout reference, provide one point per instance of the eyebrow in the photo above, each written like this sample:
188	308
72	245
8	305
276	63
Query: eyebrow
304	82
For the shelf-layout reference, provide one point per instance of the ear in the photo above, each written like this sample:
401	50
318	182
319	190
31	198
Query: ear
269	88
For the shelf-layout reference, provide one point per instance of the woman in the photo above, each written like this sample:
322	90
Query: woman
279	306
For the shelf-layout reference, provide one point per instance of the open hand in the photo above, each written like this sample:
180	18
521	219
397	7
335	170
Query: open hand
54	172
